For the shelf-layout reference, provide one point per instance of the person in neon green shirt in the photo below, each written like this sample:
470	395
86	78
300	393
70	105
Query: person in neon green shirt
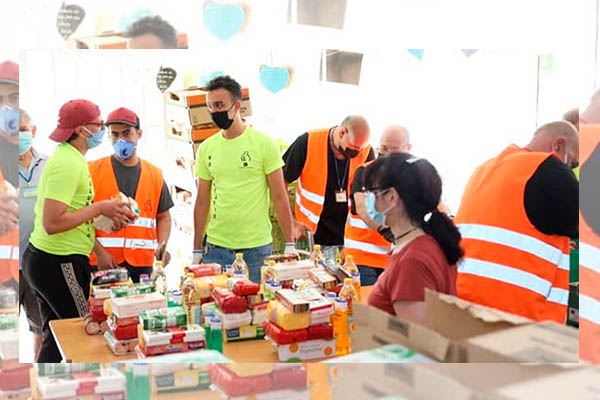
239	170
56	262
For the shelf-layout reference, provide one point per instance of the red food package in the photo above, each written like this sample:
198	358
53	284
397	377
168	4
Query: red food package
201	270
235	386
228	302
15	379
324	331
126	332
94	302
245	288
281	336
294	378
97	314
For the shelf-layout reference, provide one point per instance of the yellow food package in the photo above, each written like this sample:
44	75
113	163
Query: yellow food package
206	283
246	370
285	318
107	307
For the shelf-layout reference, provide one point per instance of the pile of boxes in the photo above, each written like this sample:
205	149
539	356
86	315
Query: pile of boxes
124	317
272	381
165	331
298	324
80	381
206	278
14	377
101	286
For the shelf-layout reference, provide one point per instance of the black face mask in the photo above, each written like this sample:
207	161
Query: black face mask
348	153
221	119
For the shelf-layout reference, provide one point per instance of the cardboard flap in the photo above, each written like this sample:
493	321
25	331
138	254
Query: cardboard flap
458	319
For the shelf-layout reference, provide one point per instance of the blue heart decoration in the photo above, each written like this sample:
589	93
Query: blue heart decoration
417	53
469	52
274	79
223	20
125	21
208	77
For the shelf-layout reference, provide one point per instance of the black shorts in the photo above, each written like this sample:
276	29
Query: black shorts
30	304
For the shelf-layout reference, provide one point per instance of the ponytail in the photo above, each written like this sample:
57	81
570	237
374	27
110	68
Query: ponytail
443	230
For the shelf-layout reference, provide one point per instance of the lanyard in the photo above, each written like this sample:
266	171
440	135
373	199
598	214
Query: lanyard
337	175
28	179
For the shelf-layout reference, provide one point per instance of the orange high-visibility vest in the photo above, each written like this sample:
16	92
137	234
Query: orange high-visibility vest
508	263
9	252
366	245
138	241
589	264
310	190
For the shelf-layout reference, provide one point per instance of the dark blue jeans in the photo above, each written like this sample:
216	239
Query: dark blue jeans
255	258
369	275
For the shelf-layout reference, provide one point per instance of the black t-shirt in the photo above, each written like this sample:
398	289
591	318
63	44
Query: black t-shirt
330	229
9	161
128	179
551	198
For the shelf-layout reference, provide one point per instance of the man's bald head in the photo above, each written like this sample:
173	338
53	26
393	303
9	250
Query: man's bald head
351	136
358	127
560	137
394	139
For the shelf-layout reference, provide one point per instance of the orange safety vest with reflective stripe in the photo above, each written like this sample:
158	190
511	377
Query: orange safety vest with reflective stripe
310	189
138	241
508	263
366	245
9	252
589	263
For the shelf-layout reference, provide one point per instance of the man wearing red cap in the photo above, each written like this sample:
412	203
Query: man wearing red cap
56	262
136	246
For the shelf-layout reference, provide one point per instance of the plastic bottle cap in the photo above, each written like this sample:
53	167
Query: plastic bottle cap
190	275
356	273
348	281
239	255
317	247
272	262
349	257
275	283
331	294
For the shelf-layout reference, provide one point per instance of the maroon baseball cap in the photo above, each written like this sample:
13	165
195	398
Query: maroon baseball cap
71	115
9	72
123	116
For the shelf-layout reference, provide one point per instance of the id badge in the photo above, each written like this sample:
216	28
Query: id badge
30	191
340	196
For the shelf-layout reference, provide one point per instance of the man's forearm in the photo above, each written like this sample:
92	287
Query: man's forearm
163	227
69	219
200	218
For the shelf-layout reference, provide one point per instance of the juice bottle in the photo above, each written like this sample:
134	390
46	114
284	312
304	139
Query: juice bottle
216	335
188	297
350	265
240	265
268	273
317	256
339	320
356	283
349	294
158	278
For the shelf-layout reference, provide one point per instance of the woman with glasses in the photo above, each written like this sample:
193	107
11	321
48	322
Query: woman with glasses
56	261
403	192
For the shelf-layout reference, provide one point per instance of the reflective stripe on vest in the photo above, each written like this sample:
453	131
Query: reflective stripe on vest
589	256
128	243
368	247
141	222
315	198
5	252
15	253
357	222
589	308
517	241
513	276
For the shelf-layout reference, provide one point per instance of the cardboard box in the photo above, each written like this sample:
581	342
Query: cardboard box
125	307
449	321
546	342
430	381
581	383
390	353
250	332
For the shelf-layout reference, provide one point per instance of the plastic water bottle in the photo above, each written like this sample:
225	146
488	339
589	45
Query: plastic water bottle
158	278
356	283
339	320
350	265
240	265
317	256
349	294
216	335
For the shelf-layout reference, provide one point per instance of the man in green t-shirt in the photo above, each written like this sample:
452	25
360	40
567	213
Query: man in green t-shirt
56	262
238	170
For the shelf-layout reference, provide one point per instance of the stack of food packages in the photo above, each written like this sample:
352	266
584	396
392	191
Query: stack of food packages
303	318
78	381
260	381
101	286
231	304
123	310
14	377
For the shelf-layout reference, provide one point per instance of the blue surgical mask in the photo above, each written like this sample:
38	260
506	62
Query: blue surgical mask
25	142
9	120
96	139
377	216
124	149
